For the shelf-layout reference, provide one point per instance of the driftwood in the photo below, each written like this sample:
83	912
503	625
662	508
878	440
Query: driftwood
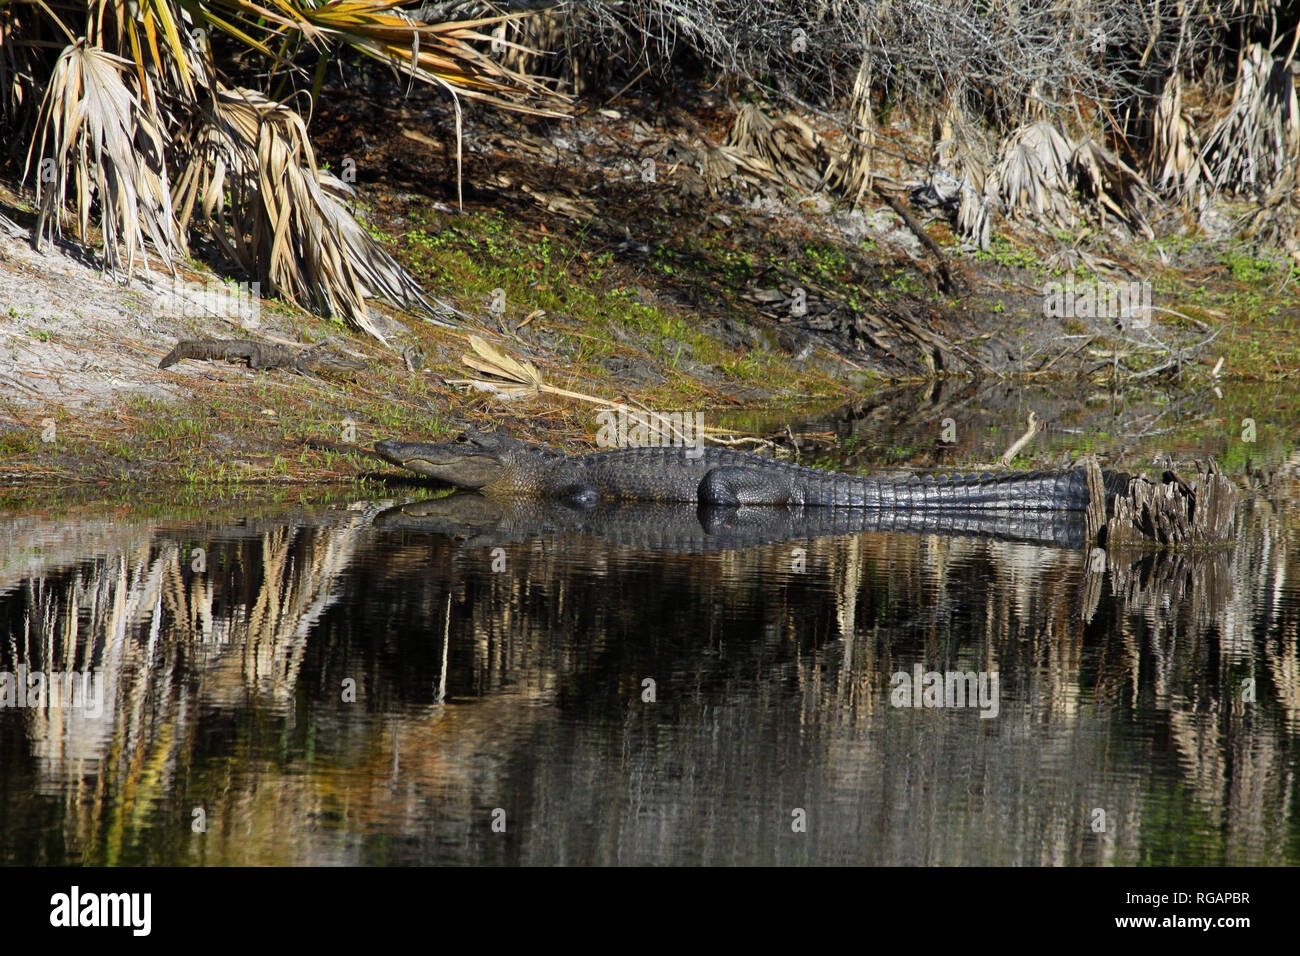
259	355
1035	426
1167	513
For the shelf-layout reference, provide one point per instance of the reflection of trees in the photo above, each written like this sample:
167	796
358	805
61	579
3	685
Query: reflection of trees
166	643
521	689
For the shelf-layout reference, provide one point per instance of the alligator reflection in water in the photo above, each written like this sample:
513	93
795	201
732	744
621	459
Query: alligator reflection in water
508	672
688	528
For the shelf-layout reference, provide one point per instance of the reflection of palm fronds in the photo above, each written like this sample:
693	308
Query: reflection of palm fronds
256	646
1259	137
282	223
127	618
105	141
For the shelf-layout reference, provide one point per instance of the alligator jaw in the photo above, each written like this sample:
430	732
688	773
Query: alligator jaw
457	463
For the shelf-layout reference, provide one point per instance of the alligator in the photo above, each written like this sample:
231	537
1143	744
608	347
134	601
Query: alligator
499	466
1118	509
260	355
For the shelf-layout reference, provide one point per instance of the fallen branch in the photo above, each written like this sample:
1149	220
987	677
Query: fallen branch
1034	427
947	284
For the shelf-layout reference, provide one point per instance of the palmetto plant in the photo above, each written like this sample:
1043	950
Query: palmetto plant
126	110
1258	140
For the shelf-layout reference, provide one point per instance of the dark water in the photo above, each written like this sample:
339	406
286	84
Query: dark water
326	690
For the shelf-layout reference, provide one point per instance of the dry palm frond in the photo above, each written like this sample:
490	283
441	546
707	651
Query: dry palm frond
143	94
1259	137
1112	186
519	379
1276	220
282	223
104	142
155	35
515	379
968	207
16	81
443	54
1033	176
787	147
1174	165
962	183
551	41
975	212
851	175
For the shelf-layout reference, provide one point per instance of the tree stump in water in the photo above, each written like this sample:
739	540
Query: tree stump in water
1168	513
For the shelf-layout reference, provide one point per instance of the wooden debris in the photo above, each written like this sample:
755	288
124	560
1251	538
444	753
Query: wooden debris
1137	512
259	355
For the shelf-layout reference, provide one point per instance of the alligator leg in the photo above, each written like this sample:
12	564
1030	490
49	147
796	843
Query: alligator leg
732	486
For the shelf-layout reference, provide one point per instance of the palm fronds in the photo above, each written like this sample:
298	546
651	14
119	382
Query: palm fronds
1276	220
440	53
785	149
142	97
851	175
1174	163
1044	177
512	378
1112	187
1033	178
962	182
282	223
975	213
105	144
1258	139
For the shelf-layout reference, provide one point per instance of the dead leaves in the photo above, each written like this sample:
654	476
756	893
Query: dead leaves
1258	139
107	143
284	221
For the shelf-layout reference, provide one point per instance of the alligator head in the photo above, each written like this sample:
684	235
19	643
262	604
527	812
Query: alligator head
474	460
